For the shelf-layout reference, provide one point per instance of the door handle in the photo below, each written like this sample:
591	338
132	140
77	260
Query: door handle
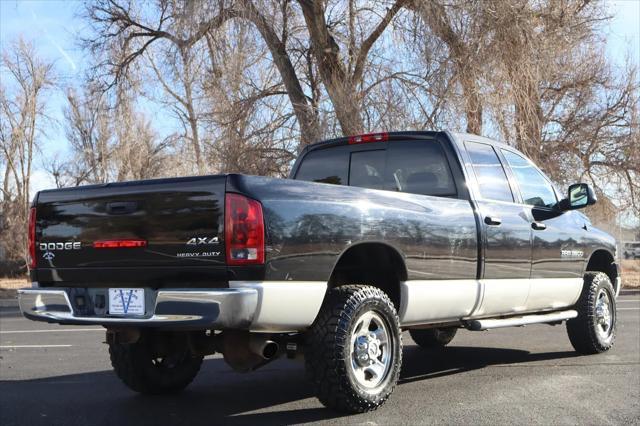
492	220
538	226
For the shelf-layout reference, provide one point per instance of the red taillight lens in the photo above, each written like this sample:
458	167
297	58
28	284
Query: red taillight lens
243	230
32	238
119	244
369	137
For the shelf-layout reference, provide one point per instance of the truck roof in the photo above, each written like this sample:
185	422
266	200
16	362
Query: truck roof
409	134
391	135
464	136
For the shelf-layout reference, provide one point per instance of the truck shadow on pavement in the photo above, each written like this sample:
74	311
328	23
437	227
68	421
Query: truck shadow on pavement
422	364
219	395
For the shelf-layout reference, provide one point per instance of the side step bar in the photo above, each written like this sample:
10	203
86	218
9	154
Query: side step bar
486	324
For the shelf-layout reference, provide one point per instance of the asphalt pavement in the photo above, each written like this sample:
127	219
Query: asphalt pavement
57	375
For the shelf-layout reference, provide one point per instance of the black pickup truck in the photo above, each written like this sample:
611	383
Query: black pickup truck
373	234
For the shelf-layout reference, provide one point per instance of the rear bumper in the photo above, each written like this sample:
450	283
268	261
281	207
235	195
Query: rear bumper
217	309
248	305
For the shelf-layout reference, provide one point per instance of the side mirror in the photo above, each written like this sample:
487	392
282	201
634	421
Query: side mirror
580	196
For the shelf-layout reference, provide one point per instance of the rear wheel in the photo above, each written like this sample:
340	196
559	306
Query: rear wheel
152	368
594	329
432	338
353	351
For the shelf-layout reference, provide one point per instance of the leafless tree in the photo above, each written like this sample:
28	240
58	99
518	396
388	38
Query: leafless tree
26	80
89	131
341	68
560	100
107	142
463	28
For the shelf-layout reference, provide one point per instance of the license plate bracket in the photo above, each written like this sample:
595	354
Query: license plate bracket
126	301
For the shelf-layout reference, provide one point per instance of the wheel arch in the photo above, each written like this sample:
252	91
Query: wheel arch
602	260
373	263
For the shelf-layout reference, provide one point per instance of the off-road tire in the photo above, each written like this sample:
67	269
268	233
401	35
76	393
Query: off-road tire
582	330
433	338
328	351
135	366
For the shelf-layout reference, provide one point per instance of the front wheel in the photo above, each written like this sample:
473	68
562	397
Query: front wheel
145	367
353	350
594	329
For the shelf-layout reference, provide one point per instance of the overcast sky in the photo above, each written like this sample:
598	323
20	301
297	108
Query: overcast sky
54	27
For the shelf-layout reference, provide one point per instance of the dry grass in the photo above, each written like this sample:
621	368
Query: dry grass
631	273
8	287
13	283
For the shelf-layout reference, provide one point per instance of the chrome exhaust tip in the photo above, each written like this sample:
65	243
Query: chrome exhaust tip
267	349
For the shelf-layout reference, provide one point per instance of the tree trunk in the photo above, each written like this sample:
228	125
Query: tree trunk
528	120
344	94
472	106
306	115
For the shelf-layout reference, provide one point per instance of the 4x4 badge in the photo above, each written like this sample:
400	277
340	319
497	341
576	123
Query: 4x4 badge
202	240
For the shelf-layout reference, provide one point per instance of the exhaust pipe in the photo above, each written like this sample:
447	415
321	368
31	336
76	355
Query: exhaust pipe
245	351
262	346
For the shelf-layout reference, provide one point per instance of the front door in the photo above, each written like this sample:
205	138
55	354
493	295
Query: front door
557	256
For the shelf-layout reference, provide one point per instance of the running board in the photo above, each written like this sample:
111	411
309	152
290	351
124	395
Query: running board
486	324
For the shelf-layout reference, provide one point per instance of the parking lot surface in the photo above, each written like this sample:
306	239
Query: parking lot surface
57	375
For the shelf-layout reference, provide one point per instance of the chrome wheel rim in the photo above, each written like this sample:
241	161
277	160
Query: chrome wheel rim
371	350
604	314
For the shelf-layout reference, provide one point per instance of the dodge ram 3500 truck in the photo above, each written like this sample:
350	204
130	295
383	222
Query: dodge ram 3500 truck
374	234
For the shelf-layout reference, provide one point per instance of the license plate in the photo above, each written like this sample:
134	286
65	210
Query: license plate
126	301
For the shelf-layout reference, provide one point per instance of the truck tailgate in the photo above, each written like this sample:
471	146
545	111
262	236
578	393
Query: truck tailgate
111	228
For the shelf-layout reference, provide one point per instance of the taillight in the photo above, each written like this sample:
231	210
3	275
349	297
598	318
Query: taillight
243	230
119	244
32	238
369	137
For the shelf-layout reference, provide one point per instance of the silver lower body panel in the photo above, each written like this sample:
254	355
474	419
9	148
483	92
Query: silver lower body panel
277	306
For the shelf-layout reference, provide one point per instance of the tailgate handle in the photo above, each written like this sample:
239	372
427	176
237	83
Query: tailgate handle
122	207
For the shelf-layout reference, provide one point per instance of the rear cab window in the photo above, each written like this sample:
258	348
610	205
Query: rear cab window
415	166
419	168
325	166
366	169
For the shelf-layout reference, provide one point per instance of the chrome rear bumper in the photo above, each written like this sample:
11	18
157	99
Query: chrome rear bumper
177	308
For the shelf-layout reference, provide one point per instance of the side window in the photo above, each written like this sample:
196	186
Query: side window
367	169
419	167
492	179
536	189
326	166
